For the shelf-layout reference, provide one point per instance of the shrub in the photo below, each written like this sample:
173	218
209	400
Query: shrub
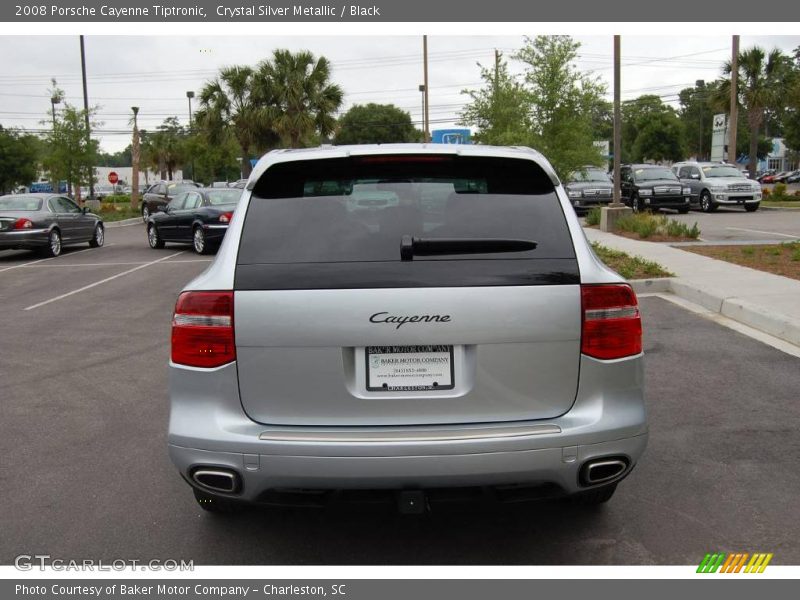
779	190
765	193
647	225
593	216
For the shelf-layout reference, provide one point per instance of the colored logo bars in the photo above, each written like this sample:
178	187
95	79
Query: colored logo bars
734	563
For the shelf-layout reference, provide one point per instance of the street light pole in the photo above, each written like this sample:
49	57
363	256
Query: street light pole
700	85
135	161
425	69
422	110
86	116
189	96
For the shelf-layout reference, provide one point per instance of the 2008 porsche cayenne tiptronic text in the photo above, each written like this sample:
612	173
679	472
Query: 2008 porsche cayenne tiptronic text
409	320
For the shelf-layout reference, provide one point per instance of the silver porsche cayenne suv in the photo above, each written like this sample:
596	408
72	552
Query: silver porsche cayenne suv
406	320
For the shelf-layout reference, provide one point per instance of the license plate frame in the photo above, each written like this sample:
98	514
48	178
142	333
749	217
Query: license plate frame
422	379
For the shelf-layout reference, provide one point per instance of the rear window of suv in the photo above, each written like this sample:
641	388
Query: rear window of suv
338	217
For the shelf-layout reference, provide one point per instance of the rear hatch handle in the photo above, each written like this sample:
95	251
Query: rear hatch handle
411	246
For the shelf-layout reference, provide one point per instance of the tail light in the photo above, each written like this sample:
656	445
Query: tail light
23	224
202	329
612	326
226	217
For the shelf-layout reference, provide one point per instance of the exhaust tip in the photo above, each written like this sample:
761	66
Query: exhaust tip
218	480
603	470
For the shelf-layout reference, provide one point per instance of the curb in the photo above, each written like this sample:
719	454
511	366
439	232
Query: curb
743	311
123	222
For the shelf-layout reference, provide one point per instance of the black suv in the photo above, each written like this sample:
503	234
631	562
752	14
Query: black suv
160	193
588	187
652	187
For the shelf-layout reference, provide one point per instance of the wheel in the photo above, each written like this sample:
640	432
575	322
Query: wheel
595	497
683	210
636	204
706	203
199	241
145	213
215	504
153	238
99	236
752	207
53	247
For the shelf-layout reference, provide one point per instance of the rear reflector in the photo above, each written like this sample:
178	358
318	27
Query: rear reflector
612	326
202	329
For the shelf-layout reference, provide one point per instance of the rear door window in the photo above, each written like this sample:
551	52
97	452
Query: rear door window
324	215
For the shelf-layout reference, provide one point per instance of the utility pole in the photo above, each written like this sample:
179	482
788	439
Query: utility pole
617	121
189	96
135	161
426	117
611	213
700	85
733	121
86	116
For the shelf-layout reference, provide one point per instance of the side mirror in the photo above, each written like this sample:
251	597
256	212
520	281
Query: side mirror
164	208
85	210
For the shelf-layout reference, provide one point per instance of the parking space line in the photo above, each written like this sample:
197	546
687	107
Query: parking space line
112	264
33	262
794	237
102	281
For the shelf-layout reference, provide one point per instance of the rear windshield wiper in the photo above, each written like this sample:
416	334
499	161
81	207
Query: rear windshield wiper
411	246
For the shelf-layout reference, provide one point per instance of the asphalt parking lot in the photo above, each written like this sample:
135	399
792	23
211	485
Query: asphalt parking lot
85	472
735	225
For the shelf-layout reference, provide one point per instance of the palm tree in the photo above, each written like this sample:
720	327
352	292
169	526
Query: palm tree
762	82
300	100
229	104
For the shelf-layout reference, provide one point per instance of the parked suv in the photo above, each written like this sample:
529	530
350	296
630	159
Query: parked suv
161	193
456	334
652	187
714	184
588	187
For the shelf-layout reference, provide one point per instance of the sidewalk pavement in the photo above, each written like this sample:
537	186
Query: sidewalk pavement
763	301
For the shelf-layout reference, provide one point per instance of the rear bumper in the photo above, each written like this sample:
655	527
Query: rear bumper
215	233
30	238
208	428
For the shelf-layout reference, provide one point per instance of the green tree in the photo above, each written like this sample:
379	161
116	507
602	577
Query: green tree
19	157
164	149
375	124
229	105
560	100
498	109
213	161
636	114
697	113
298	97
660	139
70	154
763	80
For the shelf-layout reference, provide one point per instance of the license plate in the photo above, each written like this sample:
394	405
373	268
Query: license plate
409	368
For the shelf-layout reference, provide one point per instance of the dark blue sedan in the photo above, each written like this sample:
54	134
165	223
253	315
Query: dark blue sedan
199	217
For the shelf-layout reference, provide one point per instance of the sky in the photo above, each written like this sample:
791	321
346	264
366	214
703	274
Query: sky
155	72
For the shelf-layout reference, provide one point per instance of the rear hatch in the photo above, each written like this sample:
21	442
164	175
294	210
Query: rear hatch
406	290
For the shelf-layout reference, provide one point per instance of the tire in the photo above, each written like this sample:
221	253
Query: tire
199	242
145	213
155	241
683	210
595	497
217	505
54	244
707	205
636	204
752	207
99	237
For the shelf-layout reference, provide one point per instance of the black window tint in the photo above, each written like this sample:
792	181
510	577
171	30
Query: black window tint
346	210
